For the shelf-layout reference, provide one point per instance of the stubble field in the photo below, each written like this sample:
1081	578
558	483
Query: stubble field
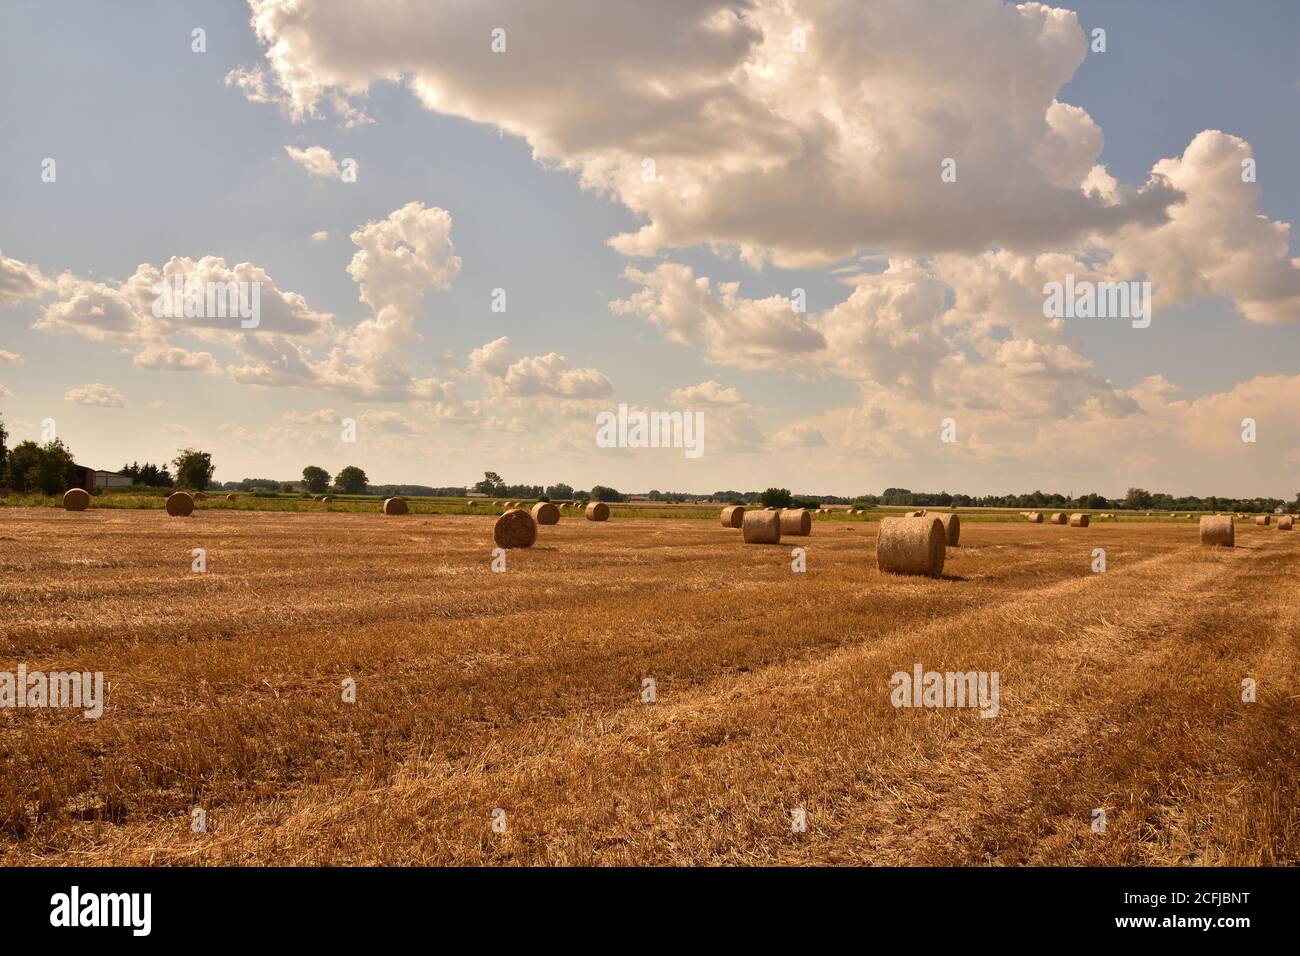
522	691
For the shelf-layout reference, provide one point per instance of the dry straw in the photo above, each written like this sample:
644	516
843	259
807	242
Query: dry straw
546	513
1263	520
796	522
326	499
1078	521
733	516
761	527
515	529
199	496
76	499
395	506
598	511
1284	523
951	527
1217	530
230	498
911	546
180	505
1034	517
1057	518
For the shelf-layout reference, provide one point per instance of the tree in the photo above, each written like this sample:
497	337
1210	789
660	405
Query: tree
491	484
4	451
315	479
1137	498
601	493
560	490
194	469
776	498
351	480
41	468
23	461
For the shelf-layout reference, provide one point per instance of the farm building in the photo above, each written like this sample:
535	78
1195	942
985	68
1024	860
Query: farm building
91	478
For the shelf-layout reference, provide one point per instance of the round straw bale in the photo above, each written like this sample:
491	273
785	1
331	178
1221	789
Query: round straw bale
326	499
76	499
915	514
796	522
1284	523
952	528
199	496
231	498
317	497
1078	521
471	504
1034	517
496	504
515	529
1217	530
733	516
598	511
546	513
761	527
395	506
911	546
1057	518
1264	520
180	505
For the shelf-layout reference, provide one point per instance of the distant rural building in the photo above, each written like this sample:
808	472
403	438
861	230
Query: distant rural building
91	478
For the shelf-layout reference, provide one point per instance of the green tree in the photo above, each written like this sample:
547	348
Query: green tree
351	480
4	450
315	479
44	468
601	493
492	484
776	498
23	461
561	491
194	469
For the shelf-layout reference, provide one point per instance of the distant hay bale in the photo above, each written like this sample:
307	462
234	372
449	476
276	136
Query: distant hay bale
496	504
180	505
911	546
1078	521
231	498
796	522
1217	531
395	506
761	527
733	516
1057	518
326	499
199	496
546	513
1284	523
317	497
915	514
1264	520
1034	517
76	499
598	511
951	527
515	529
471	504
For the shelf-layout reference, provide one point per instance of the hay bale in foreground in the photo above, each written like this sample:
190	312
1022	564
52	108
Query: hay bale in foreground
395	506
546	513
761	527
1264	520
180	505
1078	521
951	527
76	499
733	516
1057	518
598	511
1034	517
911	546
1284	523
515	529
796	521
1217	531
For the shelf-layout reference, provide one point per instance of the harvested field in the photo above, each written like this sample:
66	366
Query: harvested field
520	690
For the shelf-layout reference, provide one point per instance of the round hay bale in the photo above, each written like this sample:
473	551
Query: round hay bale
1035	517
796	522
952	528
76	499
911	546
598	511
395	506
1284	523
326	499
471	504
546	513
915	514
231	498
1264	520
1217	531
733	516
496	504
317	497
180	505
1057	518
199	496
1078	521
515	529
761	527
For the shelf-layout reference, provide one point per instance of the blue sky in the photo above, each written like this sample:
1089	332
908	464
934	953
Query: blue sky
158	157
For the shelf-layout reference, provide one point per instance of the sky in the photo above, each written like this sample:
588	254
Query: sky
645	187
